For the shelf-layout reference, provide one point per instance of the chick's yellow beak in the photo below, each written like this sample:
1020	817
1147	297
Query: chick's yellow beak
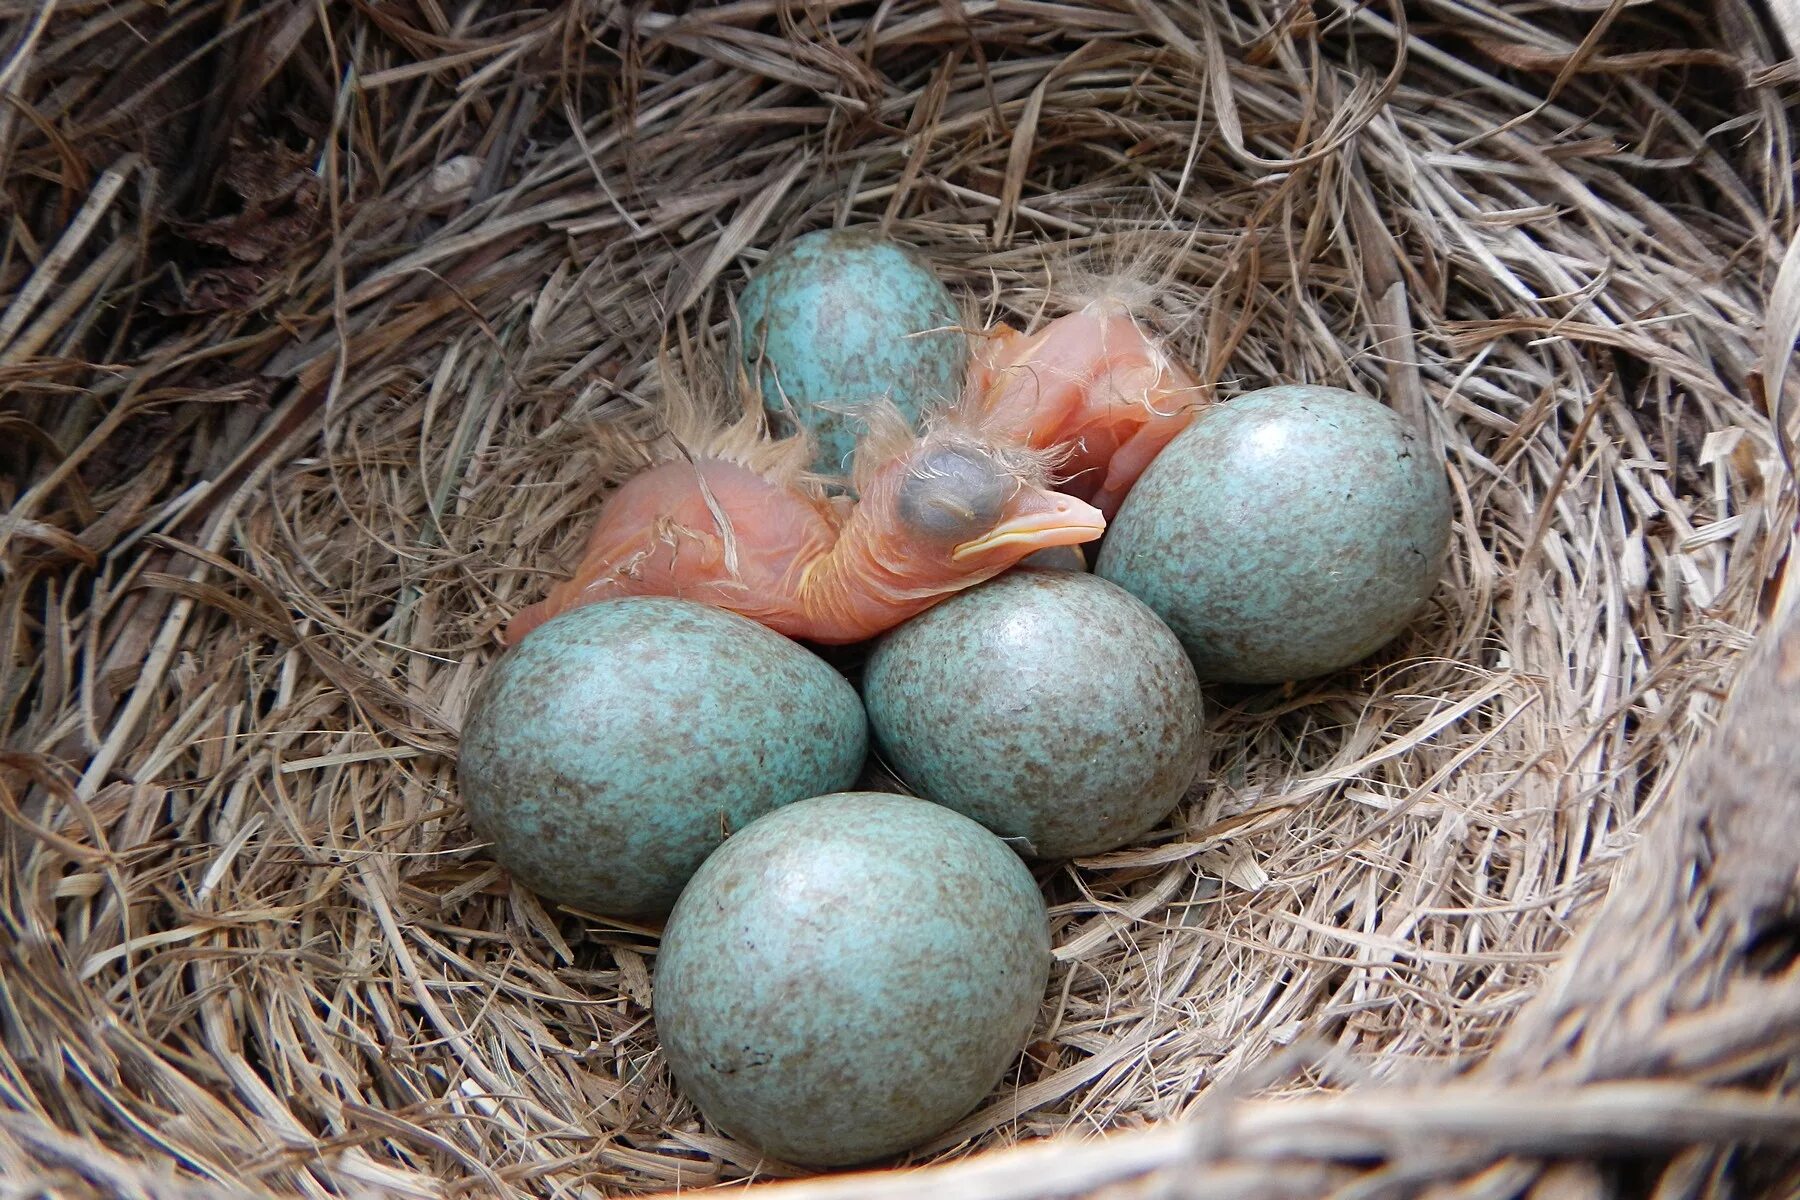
1058	521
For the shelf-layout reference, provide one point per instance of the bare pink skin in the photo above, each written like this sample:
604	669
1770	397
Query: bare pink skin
1092	383
797	564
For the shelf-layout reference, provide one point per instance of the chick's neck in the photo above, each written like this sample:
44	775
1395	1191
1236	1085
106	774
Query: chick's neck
874	575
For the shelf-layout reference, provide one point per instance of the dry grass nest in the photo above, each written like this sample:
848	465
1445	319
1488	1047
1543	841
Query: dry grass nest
309	313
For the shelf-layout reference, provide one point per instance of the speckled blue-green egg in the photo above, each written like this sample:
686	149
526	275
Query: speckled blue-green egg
839	318
1051	706
1061	558
611	751
850	976
1284	534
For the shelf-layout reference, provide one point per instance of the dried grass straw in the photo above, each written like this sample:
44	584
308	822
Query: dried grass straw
308	314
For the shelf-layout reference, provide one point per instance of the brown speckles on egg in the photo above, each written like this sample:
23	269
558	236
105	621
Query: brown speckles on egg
1287	533
837	318
599	752
850	975
1048	705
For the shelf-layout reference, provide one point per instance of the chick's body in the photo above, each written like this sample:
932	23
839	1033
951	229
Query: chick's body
937	513
658	535
1091	384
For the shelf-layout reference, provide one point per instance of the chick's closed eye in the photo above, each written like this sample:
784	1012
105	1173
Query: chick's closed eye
950	493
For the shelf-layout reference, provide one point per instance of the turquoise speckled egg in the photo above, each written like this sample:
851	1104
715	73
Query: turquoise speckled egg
850	976
1284	534
1052	706
1061	558
611	751
838	318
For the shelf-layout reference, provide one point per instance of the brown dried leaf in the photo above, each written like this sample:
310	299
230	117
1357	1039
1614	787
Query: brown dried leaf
216	290
282	206
1524	58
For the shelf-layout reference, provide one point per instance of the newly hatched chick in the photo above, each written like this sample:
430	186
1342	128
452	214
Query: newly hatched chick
1095	384
729	518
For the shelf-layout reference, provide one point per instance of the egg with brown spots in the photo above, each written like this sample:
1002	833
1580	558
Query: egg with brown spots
849	976
839	318
1284	534
1051	706
618	745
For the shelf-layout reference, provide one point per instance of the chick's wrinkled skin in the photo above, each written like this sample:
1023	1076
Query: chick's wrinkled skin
944	515
1092	384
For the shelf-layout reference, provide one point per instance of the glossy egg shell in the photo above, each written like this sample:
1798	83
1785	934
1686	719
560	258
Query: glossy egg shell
1286	533
610	752
838	318
850	976
1061	558
1052	706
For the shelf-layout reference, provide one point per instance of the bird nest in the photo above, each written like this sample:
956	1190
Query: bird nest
308	316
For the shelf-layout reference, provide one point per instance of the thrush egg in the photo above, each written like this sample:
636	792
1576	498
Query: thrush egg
1284	534
1051	706
849	976
1060	558
840	318
611	751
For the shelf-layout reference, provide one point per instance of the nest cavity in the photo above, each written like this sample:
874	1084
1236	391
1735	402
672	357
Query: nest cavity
319	326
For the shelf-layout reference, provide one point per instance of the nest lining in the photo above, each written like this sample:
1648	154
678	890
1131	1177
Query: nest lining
317	375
